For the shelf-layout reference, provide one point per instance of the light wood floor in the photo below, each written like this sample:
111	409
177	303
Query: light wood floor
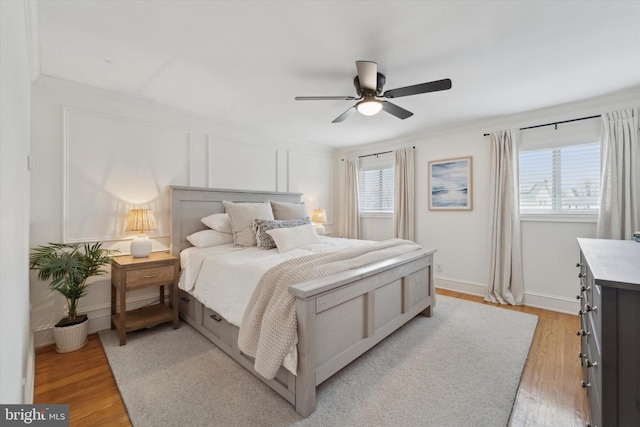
549	393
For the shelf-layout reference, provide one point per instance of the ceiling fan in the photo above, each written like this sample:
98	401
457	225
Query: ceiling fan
369	85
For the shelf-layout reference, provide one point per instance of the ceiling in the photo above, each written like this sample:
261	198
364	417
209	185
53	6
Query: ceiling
241	63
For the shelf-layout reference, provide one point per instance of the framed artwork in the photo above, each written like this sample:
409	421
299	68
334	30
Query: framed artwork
450	184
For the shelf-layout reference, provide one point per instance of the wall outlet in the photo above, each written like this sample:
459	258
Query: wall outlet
439	267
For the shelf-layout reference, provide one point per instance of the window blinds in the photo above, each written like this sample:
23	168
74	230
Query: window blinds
376	183
559	170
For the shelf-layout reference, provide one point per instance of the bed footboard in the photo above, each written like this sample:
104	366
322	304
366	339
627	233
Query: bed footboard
341	317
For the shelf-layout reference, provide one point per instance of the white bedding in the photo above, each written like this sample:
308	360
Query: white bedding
224	277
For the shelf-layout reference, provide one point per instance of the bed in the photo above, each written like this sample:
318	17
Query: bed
339	317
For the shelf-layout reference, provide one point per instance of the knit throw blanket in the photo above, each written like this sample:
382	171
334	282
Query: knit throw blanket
269	328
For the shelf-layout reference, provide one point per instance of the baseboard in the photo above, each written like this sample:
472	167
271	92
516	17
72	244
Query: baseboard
552	302
531	299
30	374
99	318
465	287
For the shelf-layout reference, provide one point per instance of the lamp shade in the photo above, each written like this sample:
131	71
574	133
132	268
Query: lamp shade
319	215
140	220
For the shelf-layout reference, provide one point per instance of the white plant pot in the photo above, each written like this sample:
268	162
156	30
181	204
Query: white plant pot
71	338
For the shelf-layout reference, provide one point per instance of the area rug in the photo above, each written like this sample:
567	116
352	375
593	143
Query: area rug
461	367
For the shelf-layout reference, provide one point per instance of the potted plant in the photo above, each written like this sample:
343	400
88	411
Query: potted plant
68	266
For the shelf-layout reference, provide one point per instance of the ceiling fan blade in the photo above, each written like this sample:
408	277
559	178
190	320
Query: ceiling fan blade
434	86
393	109
368	75
342	117
326	98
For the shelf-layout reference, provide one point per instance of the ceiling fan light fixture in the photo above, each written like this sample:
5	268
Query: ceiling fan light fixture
369	83
369	107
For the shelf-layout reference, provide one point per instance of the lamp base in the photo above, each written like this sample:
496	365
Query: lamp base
320	230
140	246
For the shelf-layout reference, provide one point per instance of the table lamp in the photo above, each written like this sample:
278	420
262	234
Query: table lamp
318	217
141	220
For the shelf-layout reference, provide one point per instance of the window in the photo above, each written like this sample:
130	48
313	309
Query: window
376	190
560	180
376	184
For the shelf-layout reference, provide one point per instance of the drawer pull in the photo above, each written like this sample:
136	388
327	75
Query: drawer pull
185	299
585	385
216	317
151	276
587	309
581	275
582	355
590	364
578	264
583	333
584	288
579	296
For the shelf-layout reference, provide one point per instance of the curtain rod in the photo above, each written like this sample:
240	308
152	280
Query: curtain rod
377	154
555	123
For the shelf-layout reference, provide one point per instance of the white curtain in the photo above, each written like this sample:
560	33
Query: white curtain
351	205
619	215
403	212
506	283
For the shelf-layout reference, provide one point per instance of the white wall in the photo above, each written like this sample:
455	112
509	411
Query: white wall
16	348
97	154
461	238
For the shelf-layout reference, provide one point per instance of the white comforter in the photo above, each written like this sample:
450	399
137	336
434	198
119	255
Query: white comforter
224	277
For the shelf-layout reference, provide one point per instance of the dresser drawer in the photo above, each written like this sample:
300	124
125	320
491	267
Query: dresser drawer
149	276
596	300
593	363
187	305
594	399
594	342
219	327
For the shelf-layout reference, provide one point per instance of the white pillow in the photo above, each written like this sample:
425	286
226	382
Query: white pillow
206	238
261	226
287	210
242	216
292	238
219	222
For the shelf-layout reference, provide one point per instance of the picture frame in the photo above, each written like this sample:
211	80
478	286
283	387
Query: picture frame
451	184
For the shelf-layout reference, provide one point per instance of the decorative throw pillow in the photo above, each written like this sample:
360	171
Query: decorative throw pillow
292	238
261	226
206	238
286	210
219	222
242	216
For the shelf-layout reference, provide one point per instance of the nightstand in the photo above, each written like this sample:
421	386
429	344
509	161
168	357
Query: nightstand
159	269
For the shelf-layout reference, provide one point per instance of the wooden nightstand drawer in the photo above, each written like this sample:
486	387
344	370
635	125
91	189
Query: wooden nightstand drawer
149	276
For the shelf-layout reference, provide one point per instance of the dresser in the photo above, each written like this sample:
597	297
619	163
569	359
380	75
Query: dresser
610	330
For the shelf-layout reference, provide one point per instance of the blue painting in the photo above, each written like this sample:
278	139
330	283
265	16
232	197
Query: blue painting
450	184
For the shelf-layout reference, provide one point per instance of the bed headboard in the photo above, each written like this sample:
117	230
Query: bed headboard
190	204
